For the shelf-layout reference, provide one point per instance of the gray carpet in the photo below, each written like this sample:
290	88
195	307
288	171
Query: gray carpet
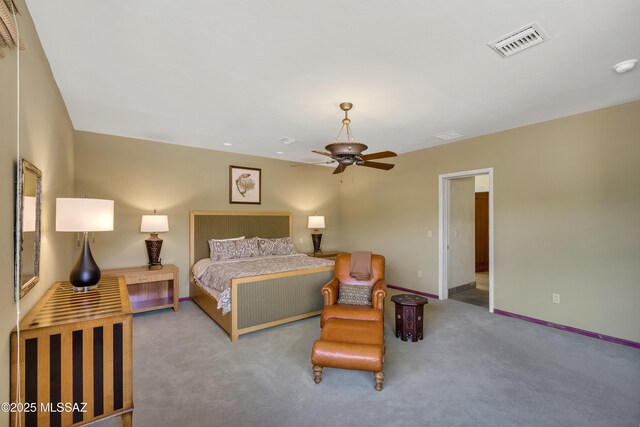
472	369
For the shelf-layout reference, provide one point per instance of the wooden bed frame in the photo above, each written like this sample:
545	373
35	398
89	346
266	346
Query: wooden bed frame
257	302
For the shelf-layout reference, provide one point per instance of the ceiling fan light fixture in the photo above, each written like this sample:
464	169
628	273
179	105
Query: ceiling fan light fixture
349	152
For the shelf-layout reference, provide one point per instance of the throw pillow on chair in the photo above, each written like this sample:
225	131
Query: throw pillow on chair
354	294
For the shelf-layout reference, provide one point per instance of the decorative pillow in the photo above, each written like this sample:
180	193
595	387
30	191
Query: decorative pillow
279	246
225	249
354	294
265	246
215	247
247	248
283	246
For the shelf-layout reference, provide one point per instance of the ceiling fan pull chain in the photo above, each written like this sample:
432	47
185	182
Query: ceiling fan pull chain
340	133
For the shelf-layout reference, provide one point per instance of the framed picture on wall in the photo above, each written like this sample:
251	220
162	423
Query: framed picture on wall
245	185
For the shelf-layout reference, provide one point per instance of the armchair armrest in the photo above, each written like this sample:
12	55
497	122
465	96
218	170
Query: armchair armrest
330	292
378	294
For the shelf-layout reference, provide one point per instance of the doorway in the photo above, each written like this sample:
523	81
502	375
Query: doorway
465	268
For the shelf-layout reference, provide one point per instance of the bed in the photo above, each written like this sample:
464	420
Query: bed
260	301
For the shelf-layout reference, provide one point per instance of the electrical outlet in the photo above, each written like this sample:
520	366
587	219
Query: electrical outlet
429	234
419	274
301	240
556	298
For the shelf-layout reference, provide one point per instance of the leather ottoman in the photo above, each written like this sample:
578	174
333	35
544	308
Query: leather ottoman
350	344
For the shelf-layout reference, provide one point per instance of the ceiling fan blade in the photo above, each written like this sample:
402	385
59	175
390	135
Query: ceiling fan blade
339	169
377	165
312	164
322	152
380	155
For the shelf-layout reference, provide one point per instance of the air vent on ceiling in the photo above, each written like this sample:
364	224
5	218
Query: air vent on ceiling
288	141
519	40
450	135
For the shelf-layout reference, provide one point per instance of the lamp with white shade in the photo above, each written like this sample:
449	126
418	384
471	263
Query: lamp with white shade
84	216
154	224
316	222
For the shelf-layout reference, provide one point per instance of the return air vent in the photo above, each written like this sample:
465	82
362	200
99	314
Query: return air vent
519	40
450	135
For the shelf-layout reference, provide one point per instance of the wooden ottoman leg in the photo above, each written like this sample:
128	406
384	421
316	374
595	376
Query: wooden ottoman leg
317	374
379	379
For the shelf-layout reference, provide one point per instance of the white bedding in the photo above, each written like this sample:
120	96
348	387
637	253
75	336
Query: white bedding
215	276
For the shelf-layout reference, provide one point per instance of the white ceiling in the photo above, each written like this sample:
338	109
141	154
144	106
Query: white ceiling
202	72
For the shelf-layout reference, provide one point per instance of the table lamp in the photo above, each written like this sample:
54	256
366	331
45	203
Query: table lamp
316	222
84	216
154	224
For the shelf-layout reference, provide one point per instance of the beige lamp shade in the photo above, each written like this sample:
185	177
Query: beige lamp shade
316	222
29	213
154	224
84	215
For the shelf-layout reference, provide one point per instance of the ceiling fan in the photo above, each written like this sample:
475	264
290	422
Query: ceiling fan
349	152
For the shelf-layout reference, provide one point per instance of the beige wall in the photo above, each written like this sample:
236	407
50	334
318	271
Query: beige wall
143	175
482	183
46	141
567	217
462	232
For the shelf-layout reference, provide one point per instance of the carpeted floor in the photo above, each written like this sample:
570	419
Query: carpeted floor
473	368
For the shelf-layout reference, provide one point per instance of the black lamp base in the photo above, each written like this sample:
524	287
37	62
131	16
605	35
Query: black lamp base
154	245
85	274
317	238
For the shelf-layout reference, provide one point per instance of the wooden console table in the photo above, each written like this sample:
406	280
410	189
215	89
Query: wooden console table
75	348
149	289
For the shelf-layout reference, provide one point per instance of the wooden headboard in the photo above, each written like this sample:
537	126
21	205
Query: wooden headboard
225	225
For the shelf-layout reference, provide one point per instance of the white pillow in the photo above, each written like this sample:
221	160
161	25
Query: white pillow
227	240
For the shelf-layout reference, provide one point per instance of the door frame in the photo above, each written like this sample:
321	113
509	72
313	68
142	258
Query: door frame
444	191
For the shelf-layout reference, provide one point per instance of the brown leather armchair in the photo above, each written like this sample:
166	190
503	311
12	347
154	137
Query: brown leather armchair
356	312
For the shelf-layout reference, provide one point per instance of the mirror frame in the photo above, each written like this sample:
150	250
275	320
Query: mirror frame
21	289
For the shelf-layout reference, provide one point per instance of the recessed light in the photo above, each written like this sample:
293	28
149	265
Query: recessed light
279	152
624	66
288	141
227	144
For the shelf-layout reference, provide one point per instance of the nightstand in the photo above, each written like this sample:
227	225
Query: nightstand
327	254
149	289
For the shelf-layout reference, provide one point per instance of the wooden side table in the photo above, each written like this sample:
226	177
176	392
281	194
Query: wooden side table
327	254
75	353
149	289
409	316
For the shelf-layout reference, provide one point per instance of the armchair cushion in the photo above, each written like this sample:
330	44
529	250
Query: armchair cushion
354	294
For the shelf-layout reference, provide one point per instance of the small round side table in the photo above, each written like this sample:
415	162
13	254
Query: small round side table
409	316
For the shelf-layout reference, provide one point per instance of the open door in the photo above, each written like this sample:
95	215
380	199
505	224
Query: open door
482	232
